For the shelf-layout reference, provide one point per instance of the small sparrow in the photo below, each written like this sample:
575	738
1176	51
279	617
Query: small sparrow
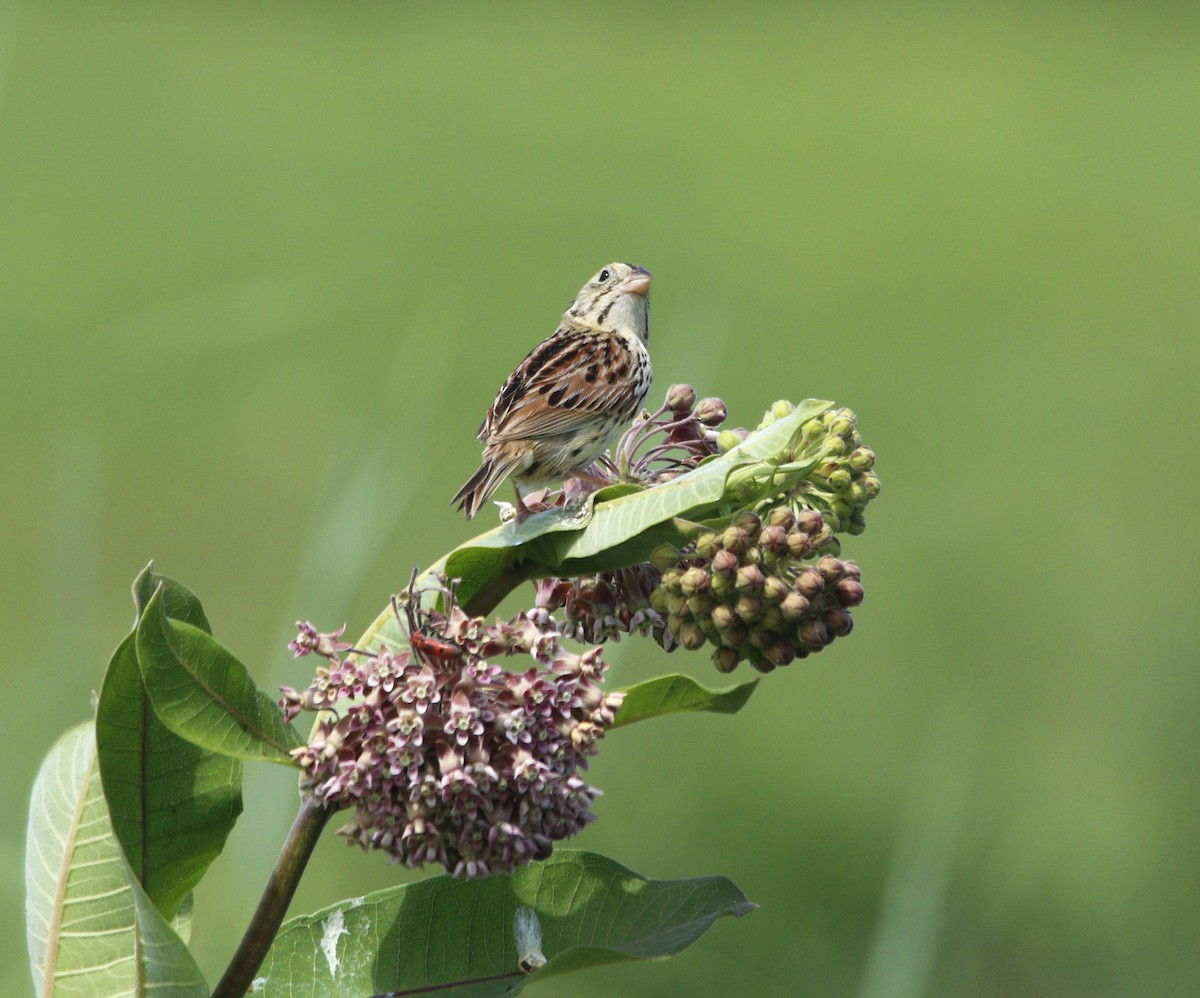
574	393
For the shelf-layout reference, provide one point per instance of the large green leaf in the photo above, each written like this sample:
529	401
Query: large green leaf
678	694
172	803
462	936
91	929
204	694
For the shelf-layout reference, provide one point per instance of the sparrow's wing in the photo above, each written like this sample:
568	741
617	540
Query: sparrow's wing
562	384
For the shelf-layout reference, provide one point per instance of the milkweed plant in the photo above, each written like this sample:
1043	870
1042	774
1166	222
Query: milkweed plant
447	737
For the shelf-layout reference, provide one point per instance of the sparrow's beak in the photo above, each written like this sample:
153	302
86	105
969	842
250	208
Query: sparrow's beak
637	283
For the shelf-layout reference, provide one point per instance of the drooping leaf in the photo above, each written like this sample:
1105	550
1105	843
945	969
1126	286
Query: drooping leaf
467	937
172	803
204	694
677	694
91	929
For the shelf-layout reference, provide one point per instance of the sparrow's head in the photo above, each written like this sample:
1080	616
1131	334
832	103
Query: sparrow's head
617	299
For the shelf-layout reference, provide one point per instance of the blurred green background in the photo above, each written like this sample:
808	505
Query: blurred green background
262	268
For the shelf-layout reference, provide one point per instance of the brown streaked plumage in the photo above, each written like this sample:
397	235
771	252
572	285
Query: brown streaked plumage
573	394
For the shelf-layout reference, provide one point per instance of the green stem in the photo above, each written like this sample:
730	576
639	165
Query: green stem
263	927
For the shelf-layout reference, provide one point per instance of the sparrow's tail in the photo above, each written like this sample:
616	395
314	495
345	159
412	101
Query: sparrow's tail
483	483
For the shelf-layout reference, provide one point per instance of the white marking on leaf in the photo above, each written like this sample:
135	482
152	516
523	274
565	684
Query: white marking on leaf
333	929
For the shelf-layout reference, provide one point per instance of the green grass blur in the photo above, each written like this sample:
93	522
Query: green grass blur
262	268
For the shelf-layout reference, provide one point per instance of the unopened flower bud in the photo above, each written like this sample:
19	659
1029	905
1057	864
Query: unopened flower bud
839	480
708	544
727	441
809	583
725	563
870	483
830	569
773	538
691	636
749	522
809	521
664	557
749	579
676	604
700	604
781	652
761	638
782	408
862	459
794	606
781	516
812	430
850	570
813	633
711	412
857	525
799	544
772	619
695	580
735	539
842	425
735	635
838	621
774	589
681	398
723	616
748	608
725	659
822	537
849	592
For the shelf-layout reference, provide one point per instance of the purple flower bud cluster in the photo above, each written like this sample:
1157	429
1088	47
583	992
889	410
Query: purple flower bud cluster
600	608
753	591
446	756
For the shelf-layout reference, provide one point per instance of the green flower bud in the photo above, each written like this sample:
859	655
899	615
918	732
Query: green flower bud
711	412
862	459
838	621
822	537
842	425
725	563
870	483
725	659
833	447
809	583
834	546
782	408
774	589
691	636
722	586
758	661
752	555
857	525
749	579
723	617
727	441
772	620
695	580
794	607
735	539
681	398
700	605
748	609
814	429
658	599
839	480
849	592
710	629
708	544
735	635
670	579
664	557
767	420
676	604
674	623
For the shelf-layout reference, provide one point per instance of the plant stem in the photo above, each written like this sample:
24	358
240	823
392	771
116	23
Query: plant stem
260	933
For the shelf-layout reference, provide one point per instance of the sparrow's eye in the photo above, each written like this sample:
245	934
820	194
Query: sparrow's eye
603	276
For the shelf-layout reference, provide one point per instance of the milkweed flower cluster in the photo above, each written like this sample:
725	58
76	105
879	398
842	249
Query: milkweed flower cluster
447	756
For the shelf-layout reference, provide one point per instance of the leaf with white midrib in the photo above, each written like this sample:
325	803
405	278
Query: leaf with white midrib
91	930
